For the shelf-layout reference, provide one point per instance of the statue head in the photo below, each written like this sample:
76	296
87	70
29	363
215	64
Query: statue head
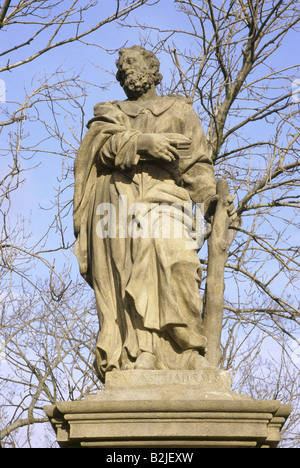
138	70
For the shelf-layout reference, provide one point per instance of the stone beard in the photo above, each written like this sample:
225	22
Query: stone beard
136	84
146	288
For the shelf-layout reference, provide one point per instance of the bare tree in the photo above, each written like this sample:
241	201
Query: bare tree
47	318
64	22
245	101
49	342
41	301
228	69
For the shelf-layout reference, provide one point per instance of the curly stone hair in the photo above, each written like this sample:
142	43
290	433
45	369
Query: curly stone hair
149	57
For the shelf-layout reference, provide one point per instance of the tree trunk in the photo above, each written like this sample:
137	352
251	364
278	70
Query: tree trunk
214	291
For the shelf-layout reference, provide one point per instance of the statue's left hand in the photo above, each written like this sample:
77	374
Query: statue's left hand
228	204
230	207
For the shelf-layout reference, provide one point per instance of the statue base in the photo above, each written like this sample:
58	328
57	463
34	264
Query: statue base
167	409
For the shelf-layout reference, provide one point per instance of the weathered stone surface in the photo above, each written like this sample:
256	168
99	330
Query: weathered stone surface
142	165
207	379
154	351
168	409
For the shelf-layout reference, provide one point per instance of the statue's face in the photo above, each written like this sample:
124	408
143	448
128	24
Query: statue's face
134	74
133	62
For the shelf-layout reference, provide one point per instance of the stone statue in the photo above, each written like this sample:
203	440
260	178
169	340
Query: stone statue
140	166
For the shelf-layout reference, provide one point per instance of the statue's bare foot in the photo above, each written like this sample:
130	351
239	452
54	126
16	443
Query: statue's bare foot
145	361
197	362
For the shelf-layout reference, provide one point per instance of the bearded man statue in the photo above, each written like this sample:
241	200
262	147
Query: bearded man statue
130	178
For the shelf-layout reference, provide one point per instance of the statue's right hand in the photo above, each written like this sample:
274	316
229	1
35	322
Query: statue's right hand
158	146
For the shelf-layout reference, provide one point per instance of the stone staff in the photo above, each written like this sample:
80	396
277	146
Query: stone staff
214	290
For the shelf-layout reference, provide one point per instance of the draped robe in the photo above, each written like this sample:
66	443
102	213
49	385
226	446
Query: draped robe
146	287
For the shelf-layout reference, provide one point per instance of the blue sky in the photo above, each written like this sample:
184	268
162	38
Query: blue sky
91	62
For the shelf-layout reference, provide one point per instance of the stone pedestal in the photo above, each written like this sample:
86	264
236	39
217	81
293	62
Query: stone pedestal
168	409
